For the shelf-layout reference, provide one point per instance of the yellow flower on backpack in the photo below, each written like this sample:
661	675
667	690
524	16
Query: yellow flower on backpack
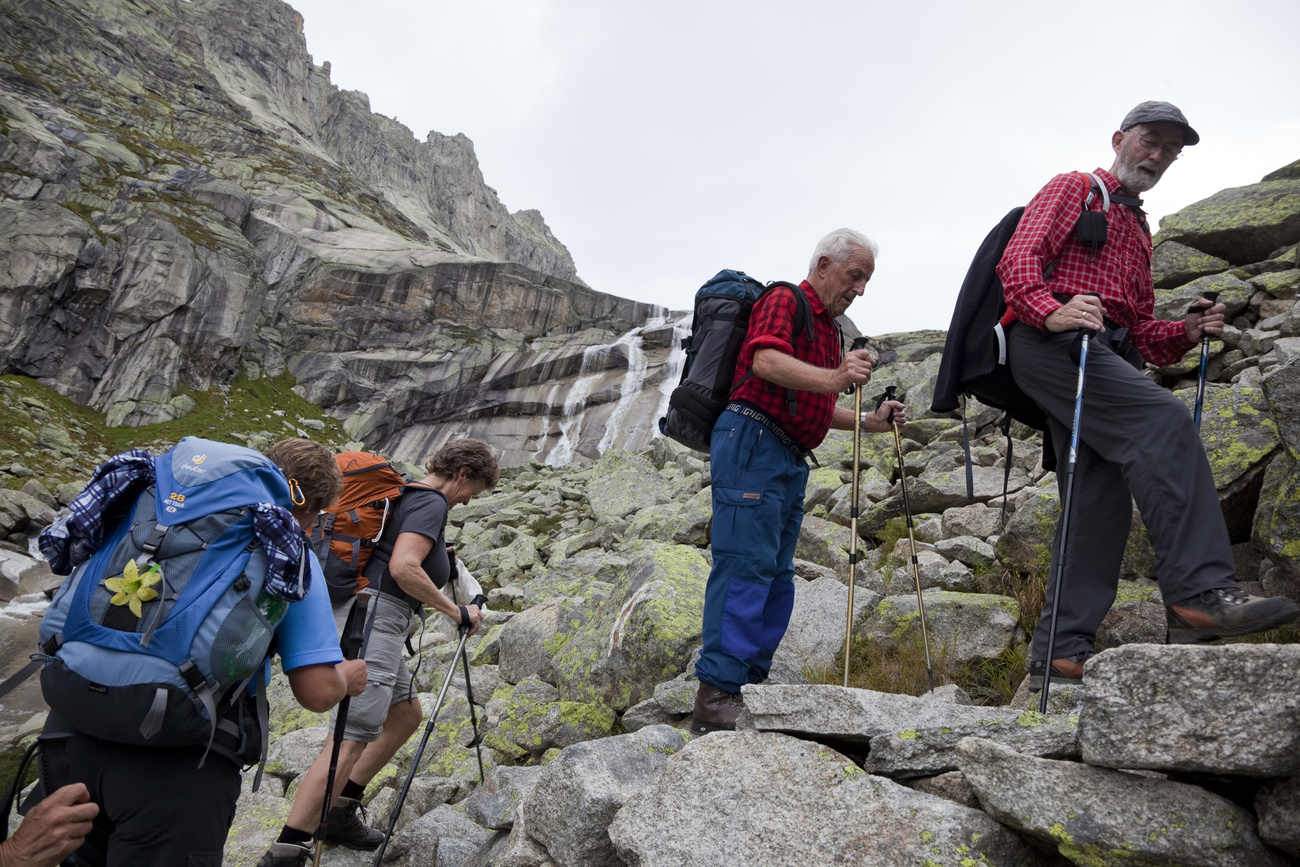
131	588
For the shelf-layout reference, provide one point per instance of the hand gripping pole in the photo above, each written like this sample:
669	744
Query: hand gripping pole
1205	358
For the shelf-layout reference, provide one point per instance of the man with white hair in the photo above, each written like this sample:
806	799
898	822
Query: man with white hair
782	406
1081	258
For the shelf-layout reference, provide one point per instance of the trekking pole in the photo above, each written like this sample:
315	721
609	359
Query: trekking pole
858	343
1205	357
1065	520
424	740
354	634
464	658
889	394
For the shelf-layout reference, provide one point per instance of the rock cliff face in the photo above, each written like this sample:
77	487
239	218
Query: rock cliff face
183	203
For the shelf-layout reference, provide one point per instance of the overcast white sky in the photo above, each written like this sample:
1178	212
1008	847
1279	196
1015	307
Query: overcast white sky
665	140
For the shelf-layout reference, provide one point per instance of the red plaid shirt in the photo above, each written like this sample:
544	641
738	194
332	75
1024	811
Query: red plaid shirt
771	326
1120	272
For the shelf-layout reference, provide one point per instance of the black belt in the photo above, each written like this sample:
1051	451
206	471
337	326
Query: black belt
748	410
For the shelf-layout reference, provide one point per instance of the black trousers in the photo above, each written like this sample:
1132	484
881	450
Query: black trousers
1136	443
157	808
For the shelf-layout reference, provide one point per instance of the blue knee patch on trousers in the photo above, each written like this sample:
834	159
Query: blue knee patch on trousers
742	618
776	614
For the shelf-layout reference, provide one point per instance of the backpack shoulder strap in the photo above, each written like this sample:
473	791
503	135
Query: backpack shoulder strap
1094	187
802	309
803	321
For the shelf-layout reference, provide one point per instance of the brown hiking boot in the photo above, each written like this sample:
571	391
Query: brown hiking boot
715	710
1066	671
1224	613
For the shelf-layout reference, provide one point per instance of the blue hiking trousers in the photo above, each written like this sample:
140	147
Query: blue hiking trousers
758	490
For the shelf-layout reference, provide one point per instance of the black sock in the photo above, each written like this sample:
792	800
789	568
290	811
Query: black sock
293	835
352	790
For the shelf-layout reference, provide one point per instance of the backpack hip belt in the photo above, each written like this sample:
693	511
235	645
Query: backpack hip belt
748	410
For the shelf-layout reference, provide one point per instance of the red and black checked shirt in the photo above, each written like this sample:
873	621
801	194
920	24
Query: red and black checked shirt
770	327
1120	272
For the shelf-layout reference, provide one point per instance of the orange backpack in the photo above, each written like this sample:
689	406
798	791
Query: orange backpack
352	526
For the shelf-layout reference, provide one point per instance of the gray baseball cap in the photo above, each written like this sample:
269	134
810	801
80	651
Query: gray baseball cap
1154	111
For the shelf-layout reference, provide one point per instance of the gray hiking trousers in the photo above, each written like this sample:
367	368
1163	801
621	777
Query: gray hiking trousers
1136	443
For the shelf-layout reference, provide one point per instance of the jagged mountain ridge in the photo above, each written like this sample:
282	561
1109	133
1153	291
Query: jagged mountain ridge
186	202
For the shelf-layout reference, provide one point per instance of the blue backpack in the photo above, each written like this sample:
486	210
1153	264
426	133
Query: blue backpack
152	640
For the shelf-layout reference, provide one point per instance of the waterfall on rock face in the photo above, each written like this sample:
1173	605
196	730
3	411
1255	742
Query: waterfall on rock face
594	361
673	368
631	421
636	367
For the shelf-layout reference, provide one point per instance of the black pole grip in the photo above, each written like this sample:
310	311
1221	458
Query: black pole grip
354	629
1208	296
858	343
891	392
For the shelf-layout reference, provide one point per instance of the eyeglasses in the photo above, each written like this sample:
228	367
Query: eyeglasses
1168	150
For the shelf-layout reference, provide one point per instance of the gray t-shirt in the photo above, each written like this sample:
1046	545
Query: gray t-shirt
420	510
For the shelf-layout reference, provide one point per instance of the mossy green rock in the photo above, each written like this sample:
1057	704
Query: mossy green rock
622	483
1173	264
961	626
1240	435
589	574
1234	293
1287	172
504	555
528	729
639	636
1276	529
530	640
686	523
1103	818
259	816
455	762
874	450
453	728
914	381
823	482
1281	389
1279	284
1026	544
911	346
1242	225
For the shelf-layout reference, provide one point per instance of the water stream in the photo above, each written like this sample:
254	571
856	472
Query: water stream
632	381
594	361
633	419
673	367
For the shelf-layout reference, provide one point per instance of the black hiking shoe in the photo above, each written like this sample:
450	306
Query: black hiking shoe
1224	613
715	710
347	826
286	855
1066	671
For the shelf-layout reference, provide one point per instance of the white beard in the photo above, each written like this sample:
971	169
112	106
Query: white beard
1133	180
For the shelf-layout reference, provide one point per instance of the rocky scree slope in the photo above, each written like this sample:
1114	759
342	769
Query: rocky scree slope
595	573
1170	755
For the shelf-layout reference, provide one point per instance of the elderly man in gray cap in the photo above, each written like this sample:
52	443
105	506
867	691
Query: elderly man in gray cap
1081	259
